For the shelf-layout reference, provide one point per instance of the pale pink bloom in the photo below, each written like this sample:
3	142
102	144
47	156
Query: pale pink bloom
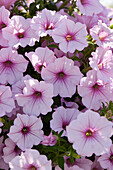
7	3
74	167
45	22
42	57
10	150
4	22
94	92
29	160
19	32
90	134
96	165
102	34
49	140
26	131
89	7
6	101
102	63
82	163
12	66
36	97
63	75
18	87
61	118
71	37
3	165
106	160
104	16
89	21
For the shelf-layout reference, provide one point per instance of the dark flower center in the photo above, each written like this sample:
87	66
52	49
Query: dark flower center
37	94
111	158
64	125
89	133
32	167
96	87
20	35
49	26
69	37
2	25
61	75
8	63
40	67
25	130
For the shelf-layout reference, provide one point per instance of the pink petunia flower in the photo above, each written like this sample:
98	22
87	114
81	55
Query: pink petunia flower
3	165
7	3
102	63
31	160
12	66
106	160
4	22
36	97
90	134
62	118
89	7
26	131
102	34
49	140
72	36
94	91
41	58
10	150
45	22
19	32
6	101
63	75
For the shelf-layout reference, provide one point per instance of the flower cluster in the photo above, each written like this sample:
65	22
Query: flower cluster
56	85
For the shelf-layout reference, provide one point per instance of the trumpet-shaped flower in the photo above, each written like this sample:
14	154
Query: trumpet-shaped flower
31	160
36	97
26	131
12	66
41	58
90	134
63	75
71	37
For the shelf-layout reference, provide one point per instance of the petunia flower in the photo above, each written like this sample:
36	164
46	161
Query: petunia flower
102	63
10	150
12	66
61	118
36	97
106	160
90	134
94	91
71	37
63	75
26	131
31	160
41	58
19	32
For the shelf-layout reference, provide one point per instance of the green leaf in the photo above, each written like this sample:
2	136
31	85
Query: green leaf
60	161
53	46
